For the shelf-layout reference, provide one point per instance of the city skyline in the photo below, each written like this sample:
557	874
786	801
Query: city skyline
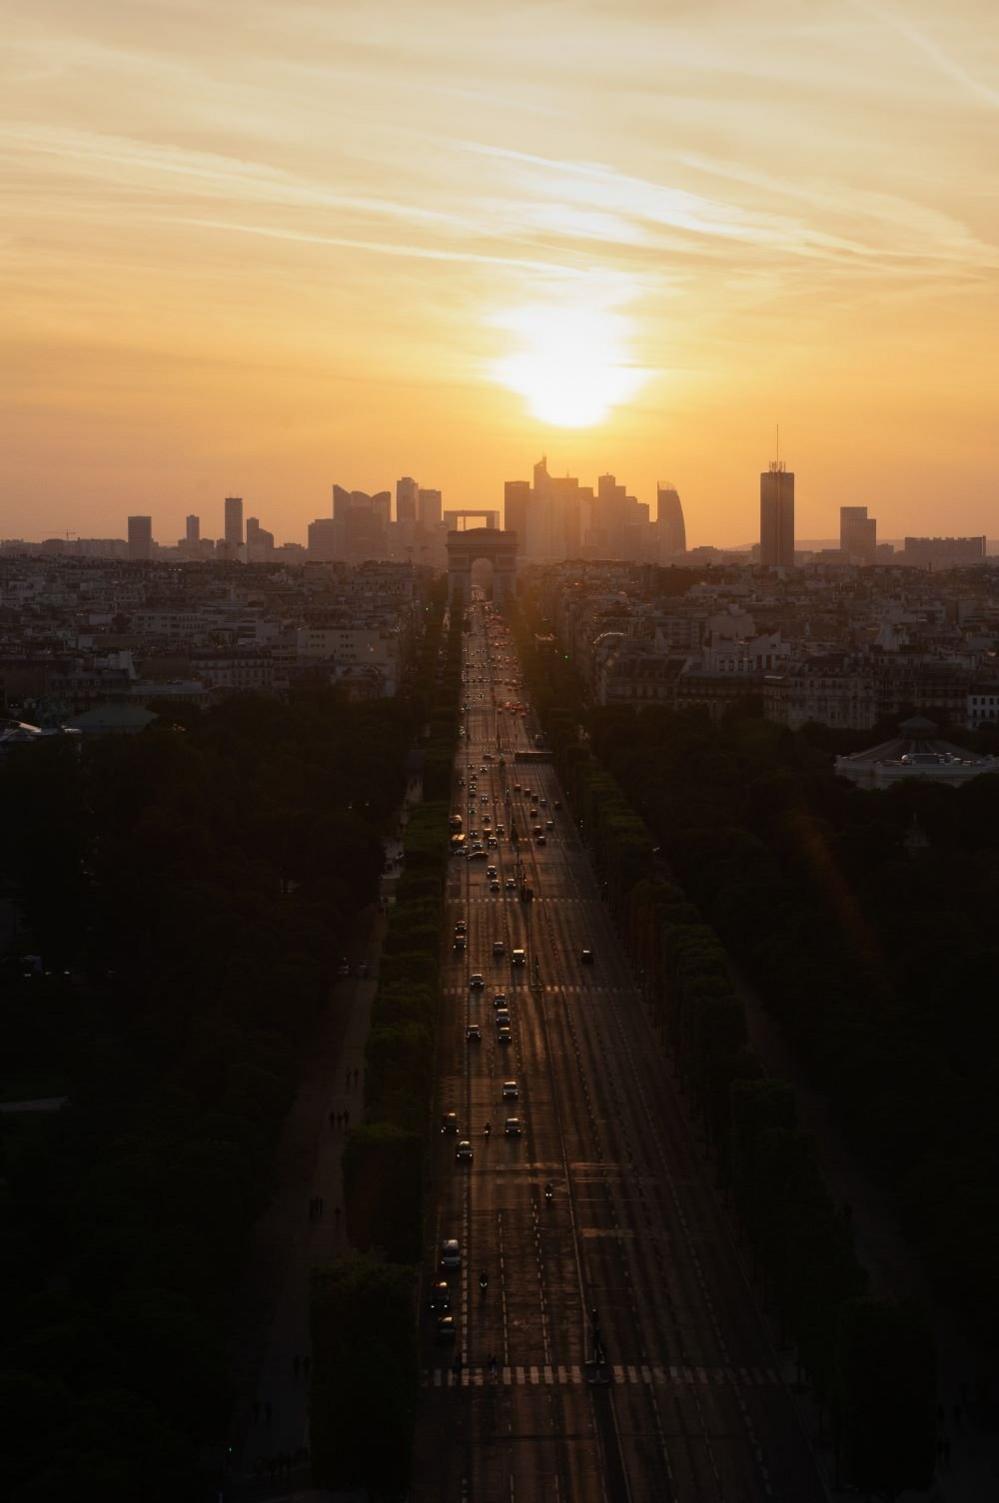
254	262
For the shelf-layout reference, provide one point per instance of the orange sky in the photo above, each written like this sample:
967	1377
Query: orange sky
259	247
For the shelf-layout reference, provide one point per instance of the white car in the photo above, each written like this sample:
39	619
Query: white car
450	1253
510	1091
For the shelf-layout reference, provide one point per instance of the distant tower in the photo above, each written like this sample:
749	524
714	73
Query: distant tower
777	516
193	529
140	538
430	508
669	517
858	534
406	497
233	525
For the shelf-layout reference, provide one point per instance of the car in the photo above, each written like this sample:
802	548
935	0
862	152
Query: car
487	820
447	1331
461	926
543	802
494	886
557	804
586	956
549	824
499	947
473	1034
500	831
503	1035
463	1152
458	946
492	843
502	1017
449	1122
474	835
518	957
450	1256
510	1091
476	981
510	884
440	1297
537	830
491	872
541	839
477	854
513	1127
343	969
516	787
500	999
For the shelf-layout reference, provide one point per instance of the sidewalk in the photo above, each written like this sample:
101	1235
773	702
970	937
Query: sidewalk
302	1228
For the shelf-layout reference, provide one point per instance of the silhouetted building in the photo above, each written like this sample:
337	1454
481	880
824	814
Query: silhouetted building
193	531
858	534
777	516
259	542
233	525
516	504
323	536
140	538
406	498
429	508
669	520
943	553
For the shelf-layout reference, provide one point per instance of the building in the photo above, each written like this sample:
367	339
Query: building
914	753
192	533
233	525
323	537
430	507
407	494
943	553
259	542
516	505
669	521
140	539
777	517
858	535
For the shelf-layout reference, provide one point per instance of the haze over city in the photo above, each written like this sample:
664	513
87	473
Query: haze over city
499	751
253	248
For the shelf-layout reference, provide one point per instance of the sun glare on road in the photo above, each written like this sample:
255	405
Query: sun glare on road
572	364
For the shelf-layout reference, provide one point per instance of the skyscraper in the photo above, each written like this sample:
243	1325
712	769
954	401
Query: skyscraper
193	529
516	506
777	516
233	525
669	520
406	495
140	538
858	534
431	508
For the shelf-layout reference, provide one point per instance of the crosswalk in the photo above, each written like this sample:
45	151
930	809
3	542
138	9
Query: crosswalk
570	1375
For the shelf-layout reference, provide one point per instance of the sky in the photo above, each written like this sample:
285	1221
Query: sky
257	248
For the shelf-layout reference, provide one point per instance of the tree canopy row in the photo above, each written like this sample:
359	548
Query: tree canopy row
188	893
801	1242
364	1311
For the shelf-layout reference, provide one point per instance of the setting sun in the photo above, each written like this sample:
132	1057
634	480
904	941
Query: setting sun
571	365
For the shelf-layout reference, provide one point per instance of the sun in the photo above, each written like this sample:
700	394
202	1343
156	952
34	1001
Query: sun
572	365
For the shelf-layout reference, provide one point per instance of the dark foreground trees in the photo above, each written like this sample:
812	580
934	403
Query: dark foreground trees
190	893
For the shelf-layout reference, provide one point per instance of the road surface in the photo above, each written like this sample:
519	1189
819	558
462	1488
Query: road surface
631	1261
